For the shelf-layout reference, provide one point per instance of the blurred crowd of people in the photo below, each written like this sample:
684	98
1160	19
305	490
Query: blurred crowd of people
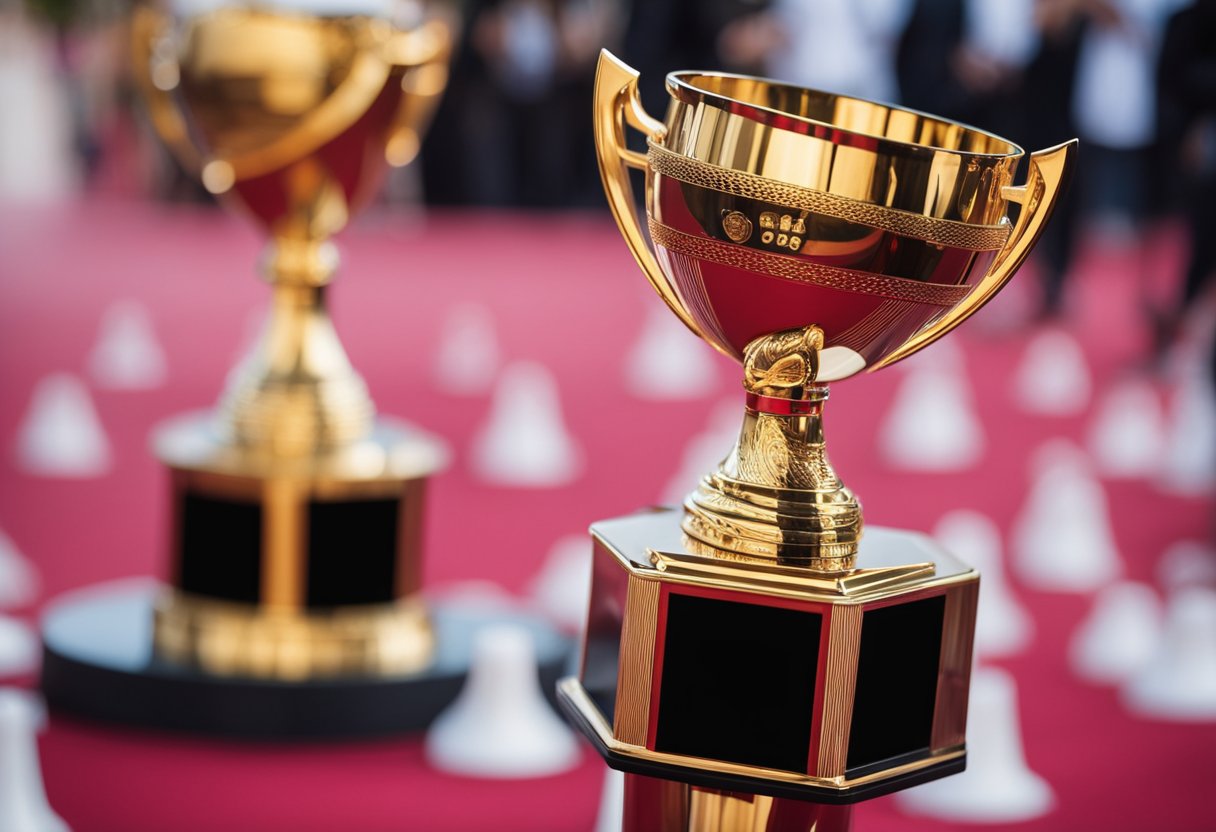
1135	80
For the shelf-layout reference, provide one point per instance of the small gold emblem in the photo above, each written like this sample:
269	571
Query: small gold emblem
737	226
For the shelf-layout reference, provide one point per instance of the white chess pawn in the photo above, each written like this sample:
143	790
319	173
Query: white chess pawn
705	451
500	725
18	580
61	435
1062	539
18	650
1179	683
563	586
525	442
1186	563
1188	466
1002	626
1120	634
1053	378
611	814
1127	436
668	361
998	786
468	355
126	355
23	803
931	426
476	596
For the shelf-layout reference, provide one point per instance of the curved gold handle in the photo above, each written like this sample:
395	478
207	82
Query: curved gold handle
157	75
616	104
425	53
1045	181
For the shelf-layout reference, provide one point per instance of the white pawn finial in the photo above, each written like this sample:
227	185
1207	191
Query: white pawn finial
1002	626
1053	378
23	803
1062	539
931	426
668	361
61	435
1188	465
611	815
525	442
1127	436
501	725
126	355
562	588
468	355
18	580
1119	636
997	786
18	650
1179	683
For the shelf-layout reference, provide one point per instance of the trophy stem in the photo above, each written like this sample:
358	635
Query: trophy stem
297	392
672	806
776	497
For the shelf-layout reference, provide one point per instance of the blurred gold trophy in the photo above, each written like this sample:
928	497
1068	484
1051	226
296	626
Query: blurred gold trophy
753	655
296	524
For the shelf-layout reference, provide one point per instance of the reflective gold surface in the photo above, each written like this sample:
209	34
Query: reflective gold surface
228	639
775	212
776	496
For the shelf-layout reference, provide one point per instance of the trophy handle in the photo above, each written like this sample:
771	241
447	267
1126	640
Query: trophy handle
617	104
1045	181
424	52
156	75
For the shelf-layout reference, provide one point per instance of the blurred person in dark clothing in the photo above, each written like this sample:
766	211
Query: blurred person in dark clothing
664	36
1186	110
840	46
514	127
966	59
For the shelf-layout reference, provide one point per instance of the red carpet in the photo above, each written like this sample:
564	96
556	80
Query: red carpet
566	293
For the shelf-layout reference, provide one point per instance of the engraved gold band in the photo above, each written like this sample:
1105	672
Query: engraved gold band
794	268
904	223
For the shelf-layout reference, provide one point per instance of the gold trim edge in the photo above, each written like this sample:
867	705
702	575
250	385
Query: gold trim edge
751	186
806	271
750	577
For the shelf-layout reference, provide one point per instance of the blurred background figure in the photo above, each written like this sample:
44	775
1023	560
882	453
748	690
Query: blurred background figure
845	46
509	131
1186	110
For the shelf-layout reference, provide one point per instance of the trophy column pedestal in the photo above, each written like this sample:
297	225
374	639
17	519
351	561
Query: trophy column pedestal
293	607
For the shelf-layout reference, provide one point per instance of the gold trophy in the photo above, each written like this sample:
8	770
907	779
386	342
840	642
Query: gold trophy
295	559
752	661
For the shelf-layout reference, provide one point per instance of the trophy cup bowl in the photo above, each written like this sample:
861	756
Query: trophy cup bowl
810	236
772	207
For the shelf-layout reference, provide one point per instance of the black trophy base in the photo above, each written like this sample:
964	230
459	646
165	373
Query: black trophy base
744	783
98	663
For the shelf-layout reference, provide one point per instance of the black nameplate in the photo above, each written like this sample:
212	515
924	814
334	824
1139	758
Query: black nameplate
896	683
352	552
738	682
220	548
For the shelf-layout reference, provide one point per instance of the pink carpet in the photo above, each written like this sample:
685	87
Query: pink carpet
566	293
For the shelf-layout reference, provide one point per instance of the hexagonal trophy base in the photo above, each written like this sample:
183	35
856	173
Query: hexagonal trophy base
775	680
